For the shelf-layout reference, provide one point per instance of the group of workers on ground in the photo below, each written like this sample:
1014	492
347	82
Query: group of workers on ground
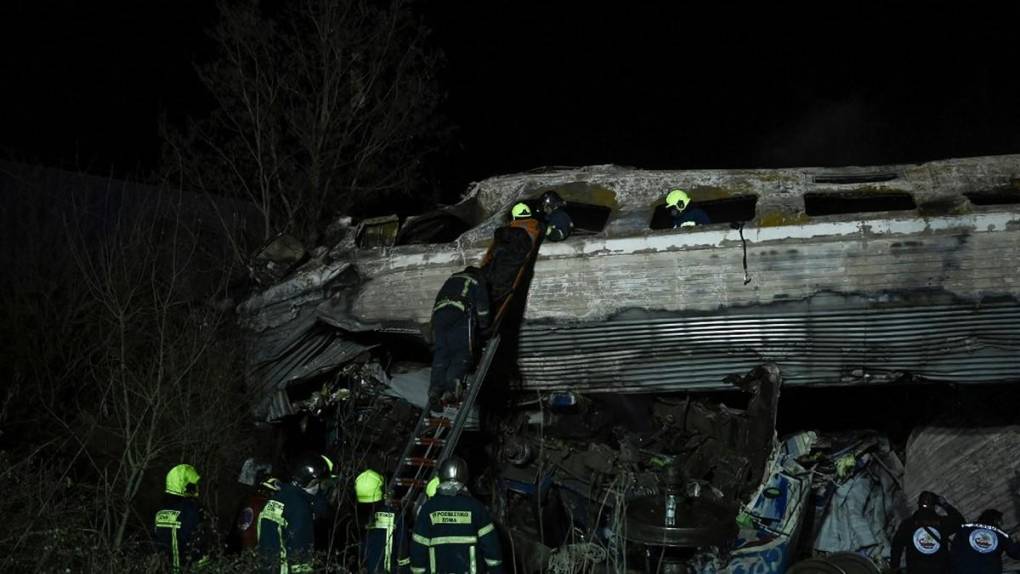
452	532
944	543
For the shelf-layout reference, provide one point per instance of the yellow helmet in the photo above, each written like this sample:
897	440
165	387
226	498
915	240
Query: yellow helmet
182	480
432	486
329	465
368	486
678	198
520	211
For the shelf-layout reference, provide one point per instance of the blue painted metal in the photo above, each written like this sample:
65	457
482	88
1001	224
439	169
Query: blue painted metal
771	521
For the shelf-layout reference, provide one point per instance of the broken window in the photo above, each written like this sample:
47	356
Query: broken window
438	227
727	210
850	202
442	225
588	218
378	232
1000	196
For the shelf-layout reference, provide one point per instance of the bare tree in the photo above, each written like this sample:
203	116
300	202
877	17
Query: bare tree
130	370
318	107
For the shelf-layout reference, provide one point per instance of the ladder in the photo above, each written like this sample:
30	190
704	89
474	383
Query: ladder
435	437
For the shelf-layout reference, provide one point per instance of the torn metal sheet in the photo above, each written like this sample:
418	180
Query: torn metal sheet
864	499
307	353
771	522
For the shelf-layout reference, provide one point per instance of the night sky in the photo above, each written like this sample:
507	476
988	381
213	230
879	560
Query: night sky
531	85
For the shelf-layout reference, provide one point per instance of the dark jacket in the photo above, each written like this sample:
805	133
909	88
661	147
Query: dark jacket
511	248
451	531
180	531
558	225
245	526
288	516
977	549
691	216
925	537
467	292
386	544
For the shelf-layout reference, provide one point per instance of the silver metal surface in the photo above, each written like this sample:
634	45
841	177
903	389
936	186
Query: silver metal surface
959	344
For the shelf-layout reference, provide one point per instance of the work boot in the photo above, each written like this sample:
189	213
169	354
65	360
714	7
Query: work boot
450	397
435	402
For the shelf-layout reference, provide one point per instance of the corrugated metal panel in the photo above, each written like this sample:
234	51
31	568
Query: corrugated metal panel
308	353
957	343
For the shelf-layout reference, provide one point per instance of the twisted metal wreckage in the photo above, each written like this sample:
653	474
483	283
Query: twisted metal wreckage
807	277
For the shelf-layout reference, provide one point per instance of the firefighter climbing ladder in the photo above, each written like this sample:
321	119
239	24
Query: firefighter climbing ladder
435	436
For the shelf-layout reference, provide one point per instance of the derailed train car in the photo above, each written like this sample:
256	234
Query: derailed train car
836	276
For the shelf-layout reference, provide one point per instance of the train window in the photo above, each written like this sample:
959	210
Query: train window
378	232
849	202
727	210
587	218
1000	196
437	227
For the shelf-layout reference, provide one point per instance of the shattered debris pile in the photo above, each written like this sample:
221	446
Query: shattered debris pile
632	471
668	482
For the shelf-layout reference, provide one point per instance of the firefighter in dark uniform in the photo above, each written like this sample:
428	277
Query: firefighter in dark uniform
558	225
978	546
678	204
385	544
286	525
925	536
244	526
460	312
385	548
454	533
181	524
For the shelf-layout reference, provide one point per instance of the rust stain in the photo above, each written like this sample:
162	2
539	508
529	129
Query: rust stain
780	218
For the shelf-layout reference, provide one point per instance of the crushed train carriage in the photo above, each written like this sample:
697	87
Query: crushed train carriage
836	276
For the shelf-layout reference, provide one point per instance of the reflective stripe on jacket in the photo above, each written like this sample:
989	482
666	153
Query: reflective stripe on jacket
285	529
385	547
177	529
455	534
465	292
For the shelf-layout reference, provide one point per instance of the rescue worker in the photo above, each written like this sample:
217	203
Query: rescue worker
245	528
180	528
521	218
454	533
368	492
558	224
678	204
384	547
925	536
511	248
460	311
978	546
286	525
368	487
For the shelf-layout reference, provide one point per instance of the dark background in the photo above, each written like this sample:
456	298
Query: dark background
530	84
